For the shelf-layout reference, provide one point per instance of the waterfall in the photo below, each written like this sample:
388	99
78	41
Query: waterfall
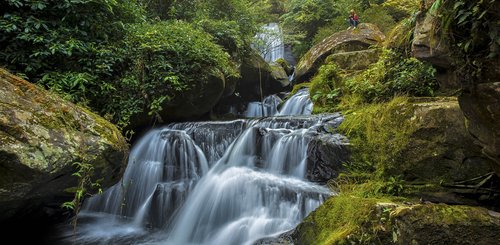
228	182
269	107
298	104
269	42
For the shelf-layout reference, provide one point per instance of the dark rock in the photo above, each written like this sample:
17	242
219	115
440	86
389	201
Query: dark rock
257	79
362	38
326	155
197	101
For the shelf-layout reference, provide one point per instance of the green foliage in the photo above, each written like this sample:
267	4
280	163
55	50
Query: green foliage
393	74
165	60
401	36
40	36
401	9
473	27
325	89
337	24
303	19
379	16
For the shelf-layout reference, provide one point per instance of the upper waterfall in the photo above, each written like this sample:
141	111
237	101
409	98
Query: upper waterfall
269	42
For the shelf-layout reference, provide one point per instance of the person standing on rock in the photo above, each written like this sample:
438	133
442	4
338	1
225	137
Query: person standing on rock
353	20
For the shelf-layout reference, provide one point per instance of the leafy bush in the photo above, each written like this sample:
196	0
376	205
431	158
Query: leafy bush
401	9
325	87
166	58
41	36
378	15
393	74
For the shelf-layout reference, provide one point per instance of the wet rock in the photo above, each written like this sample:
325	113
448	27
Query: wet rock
326	155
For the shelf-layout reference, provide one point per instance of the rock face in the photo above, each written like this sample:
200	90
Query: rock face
41	137
362	38
480	99
197	101
441	148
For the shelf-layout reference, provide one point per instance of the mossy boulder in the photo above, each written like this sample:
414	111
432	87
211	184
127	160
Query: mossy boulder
279	74
355	220
362	38
418	139
42	136
288	68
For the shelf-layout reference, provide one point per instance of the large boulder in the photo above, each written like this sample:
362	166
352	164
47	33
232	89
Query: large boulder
363	38
355	60
480	97
42	136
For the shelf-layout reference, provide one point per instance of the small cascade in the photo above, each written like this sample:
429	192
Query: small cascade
269	107
270	42
298	104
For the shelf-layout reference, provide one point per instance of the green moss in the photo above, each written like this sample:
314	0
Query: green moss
336	219
378	133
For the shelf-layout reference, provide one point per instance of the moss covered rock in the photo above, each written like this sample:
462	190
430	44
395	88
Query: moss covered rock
355	220
41	137
419	139
345	41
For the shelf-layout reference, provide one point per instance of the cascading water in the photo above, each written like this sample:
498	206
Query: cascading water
270	42
298	104
211	183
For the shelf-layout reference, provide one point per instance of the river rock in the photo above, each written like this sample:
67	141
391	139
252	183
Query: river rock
256	72
365	36
42	136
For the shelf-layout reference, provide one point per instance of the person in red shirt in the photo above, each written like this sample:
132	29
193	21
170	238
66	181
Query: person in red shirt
353	20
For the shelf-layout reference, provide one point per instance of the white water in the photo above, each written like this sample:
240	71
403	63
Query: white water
298	104
269	42
210	183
